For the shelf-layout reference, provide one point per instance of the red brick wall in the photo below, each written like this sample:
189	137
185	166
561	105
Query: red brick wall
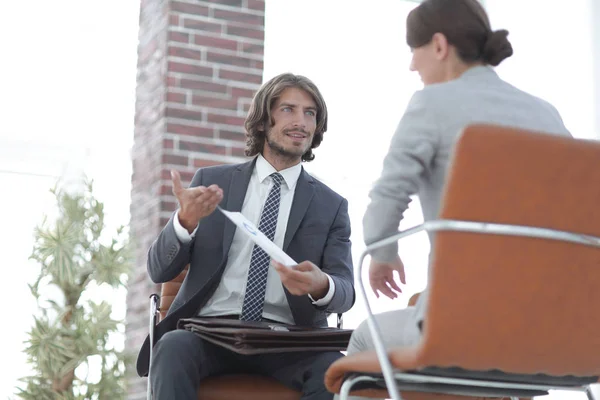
199	64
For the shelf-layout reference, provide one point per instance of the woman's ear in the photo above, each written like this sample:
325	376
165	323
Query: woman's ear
440	44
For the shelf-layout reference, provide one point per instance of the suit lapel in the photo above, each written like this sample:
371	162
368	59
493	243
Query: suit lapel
305	190
240	178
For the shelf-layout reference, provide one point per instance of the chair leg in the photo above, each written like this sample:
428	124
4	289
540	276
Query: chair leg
152	323
386	366
345	389
589	393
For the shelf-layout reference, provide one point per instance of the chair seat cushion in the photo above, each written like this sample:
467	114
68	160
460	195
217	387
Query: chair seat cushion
246	387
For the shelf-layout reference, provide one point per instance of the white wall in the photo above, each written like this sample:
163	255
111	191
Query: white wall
358	58
68	92
553	57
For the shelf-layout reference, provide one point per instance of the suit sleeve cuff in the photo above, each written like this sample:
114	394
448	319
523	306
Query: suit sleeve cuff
327	299
182	234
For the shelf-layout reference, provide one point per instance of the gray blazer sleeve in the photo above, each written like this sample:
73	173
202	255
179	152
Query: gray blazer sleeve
337	262
409	158
167	256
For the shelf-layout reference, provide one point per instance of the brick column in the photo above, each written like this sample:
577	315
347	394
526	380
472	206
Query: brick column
199	64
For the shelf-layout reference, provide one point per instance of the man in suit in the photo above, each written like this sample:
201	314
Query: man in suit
230	277
454	50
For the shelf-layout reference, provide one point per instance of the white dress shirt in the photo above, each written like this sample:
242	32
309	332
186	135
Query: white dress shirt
228	299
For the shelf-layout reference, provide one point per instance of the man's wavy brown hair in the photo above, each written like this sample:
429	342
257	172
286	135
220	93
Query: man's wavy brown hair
259	119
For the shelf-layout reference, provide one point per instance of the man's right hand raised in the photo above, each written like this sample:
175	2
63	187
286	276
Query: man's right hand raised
195	203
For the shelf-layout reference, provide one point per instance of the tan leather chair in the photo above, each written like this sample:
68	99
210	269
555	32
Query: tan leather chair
228	387
515	281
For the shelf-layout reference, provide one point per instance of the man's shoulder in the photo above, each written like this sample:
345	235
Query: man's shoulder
324	189
220	169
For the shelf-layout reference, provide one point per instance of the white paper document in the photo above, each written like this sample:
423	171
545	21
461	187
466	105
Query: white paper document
259	238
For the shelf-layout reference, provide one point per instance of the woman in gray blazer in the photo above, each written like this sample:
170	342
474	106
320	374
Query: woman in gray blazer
454	50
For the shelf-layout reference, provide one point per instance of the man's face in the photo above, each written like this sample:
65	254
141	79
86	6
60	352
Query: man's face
294	116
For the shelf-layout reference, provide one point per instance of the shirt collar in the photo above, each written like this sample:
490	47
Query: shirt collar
290	175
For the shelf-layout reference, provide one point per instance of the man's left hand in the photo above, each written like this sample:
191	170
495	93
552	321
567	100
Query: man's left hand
304	278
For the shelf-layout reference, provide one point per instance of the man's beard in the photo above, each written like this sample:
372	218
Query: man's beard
292	153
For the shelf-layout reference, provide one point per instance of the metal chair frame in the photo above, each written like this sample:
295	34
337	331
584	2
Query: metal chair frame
389	375
154	312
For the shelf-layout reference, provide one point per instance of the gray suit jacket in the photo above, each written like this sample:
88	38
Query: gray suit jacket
318	230
420	149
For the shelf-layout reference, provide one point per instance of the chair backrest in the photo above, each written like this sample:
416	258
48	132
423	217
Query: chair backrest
521	305
168	291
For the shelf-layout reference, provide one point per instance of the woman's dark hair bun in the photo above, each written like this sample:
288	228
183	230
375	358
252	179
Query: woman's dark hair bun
497	47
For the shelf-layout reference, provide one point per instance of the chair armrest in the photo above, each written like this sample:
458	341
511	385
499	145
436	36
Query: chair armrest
169	290
154	312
